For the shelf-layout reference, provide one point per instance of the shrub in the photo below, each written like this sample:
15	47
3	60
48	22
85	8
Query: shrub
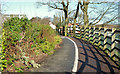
22	39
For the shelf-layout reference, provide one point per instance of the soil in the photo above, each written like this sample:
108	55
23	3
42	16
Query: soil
38	59
42	57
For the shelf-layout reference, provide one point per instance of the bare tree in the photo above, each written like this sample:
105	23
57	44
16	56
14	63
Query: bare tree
60	5
84	8
102	14
76	14
57	19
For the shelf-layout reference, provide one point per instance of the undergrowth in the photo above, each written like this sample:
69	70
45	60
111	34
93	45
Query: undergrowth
23	42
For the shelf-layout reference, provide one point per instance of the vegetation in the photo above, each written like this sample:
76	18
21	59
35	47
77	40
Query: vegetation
60	5
24	41
39	20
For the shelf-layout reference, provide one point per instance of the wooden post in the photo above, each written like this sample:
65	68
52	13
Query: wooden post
90	34
94	31
82	32
115	46
96	35
107	41
63	31
101	37
87	34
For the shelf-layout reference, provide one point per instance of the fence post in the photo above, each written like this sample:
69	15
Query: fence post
87	34
63	31
68	31
107	41
113	44
95	36
84	29
90	34
82	32
101	37
115	53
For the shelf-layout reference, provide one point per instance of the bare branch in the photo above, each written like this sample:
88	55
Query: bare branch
67	3
102	15
71	11
95	19
114	18
54	6
97	2
77	10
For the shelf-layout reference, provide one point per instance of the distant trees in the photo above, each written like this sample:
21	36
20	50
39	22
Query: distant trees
39	20
60	5
92	12
58	19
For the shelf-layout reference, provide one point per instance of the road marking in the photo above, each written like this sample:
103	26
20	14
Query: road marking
76	56
63	37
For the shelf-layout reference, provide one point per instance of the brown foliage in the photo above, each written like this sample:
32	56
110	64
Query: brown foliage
39	20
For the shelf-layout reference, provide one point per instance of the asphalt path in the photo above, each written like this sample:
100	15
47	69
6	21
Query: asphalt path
61	61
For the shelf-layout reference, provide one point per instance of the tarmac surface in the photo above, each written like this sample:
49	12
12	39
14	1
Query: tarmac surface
61	61
90	59
93	60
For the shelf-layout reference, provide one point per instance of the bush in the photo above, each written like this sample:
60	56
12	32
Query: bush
23	41
43	36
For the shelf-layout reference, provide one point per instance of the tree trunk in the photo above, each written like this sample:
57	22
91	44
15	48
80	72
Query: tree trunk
66	26
86	20
76	14
84	8
66	21
74	27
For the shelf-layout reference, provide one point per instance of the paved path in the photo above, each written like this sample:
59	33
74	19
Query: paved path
92	59
61	61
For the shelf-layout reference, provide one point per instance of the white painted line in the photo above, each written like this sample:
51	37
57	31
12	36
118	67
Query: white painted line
76	57
63	37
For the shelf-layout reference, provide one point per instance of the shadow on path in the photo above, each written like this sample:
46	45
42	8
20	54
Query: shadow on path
92	59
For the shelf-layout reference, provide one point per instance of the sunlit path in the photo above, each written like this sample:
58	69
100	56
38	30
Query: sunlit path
61	61
92	59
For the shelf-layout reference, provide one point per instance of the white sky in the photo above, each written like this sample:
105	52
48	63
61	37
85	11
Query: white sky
28	7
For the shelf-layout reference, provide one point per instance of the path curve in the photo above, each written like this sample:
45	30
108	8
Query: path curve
92	59
61	61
